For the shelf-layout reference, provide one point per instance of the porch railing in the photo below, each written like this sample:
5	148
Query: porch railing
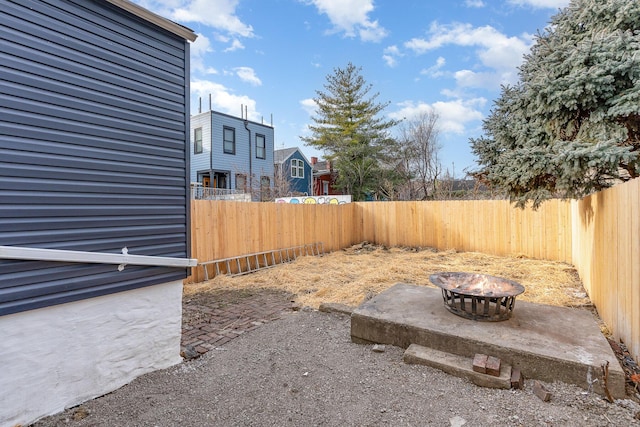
208	193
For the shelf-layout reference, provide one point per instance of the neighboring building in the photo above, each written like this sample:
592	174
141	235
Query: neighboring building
293	172
94	206
324	178
231	154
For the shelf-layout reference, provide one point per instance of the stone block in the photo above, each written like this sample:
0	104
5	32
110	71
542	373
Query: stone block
540	391
379	348
517	380
456	365
493	366
480	363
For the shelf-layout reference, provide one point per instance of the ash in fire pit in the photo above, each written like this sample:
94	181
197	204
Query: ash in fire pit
478	296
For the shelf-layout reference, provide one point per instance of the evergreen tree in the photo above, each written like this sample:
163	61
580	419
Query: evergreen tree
571	126
349	130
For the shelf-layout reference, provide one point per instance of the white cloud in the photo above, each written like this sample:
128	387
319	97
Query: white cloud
201	46
219	14
248	74
474	3
488	80
499	54
436	69
453	116
222	38
222	99
390	60
541	4
309	105
372	32
390	55
235	45
198	50
496	49
351	17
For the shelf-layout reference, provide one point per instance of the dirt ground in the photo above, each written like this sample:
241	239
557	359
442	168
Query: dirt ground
355	274
303	369
358	273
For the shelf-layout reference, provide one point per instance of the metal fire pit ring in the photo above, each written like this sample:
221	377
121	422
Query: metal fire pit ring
478	296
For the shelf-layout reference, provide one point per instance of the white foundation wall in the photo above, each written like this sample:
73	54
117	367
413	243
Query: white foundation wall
60	356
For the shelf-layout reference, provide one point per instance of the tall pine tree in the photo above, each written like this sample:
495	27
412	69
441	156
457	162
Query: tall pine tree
571	126
349	130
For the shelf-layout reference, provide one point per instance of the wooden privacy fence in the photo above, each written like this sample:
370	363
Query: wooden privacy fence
606	253
228	229
599	234
488	226
221	229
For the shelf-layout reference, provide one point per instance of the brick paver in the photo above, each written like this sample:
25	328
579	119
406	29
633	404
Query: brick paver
212	319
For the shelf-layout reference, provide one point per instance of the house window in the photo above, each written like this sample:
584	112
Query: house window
197	141
229	138
241	181
261	147
297	168
325	188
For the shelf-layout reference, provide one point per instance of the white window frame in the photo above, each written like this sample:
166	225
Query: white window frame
297	168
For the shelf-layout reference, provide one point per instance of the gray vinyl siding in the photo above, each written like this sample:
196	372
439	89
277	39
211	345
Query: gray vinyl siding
202	161
213	156
93	148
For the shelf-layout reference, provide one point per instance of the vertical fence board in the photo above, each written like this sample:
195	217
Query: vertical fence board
222	229
623	258
633	340
606	252
599	234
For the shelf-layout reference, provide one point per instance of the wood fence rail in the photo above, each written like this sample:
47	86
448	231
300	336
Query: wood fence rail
599	234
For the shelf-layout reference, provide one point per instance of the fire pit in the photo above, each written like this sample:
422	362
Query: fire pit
478	296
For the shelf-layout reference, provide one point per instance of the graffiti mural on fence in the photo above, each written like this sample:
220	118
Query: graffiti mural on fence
315	200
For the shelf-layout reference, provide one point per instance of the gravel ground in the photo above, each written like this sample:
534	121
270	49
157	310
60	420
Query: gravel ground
303	370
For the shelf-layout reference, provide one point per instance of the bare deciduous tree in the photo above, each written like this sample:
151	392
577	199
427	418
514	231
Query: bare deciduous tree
282	186
420	163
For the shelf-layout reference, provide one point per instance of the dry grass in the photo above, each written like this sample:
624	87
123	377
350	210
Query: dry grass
352	275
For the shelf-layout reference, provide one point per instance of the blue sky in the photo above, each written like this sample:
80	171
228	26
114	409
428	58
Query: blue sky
273	55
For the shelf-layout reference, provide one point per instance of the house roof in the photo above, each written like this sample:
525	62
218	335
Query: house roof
219	113
322	166
279	156
283	154
158	20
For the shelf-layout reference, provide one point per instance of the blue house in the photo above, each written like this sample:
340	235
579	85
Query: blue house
231	155
293	172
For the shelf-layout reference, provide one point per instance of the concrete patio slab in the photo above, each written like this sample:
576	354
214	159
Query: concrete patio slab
545	342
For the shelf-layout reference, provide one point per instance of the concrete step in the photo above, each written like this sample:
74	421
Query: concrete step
458	366
545	343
